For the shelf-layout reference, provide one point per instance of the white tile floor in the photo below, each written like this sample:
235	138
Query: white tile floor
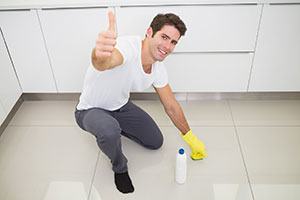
253	154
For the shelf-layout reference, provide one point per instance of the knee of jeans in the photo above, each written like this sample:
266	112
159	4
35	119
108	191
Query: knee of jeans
109	132
110	137
157	143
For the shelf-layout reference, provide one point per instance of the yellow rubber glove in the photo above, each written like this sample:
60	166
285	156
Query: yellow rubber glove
196	145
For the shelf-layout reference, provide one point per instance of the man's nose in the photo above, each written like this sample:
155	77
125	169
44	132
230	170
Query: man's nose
168	45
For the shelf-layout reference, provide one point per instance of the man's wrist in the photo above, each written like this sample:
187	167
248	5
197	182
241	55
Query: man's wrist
188	132
188	136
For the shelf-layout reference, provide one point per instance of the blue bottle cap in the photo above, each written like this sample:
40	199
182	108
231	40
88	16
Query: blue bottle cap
181	151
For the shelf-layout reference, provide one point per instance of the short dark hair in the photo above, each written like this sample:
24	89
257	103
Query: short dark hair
167	19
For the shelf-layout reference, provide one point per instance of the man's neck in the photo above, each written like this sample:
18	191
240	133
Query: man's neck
147	60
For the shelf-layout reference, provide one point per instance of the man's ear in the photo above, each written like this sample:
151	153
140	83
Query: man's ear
149	32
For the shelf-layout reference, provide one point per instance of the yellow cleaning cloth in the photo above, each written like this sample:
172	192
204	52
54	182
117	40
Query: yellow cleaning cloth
196	145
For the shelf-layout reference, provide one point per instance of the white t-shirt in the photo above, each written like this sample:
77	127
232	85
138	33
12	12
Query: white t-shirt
110	89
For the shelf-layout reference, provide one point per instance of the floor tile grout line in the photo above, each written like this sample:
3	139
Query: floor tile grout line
55	125
241	150
250	126
94	174
201	125
198	125
41	125
269	126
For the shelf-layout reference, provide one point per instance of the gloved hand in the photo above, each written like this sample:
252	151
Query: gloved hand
196	145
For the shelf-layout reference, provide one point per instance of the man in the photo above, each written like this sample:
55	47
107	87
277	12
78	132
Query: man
120	65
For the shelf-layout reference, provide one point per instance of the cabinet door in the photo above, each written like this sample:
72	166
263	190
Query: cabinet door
276	65
209	72
70	36
184	2
209	28
9	86
24	38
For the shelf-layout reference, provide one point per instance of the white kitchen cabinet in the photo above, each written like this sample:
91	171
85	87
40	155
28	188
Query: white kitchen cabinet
70	36
9	86
209	72
183	2
227	28
24	38
279	1
276	65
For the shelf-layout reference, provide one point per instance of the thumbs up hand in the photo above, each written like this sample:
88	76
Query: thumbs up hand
106	40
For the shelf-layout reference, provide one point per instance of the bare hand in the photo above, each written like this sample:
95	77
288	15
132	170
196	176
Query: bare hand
107	40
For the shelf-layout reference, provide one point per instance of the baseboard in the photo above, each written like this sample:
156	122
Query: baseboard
244	96
181	96
50	96
10	115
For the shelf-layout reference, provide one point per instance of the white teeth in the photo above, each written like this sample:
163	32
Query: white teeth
163	52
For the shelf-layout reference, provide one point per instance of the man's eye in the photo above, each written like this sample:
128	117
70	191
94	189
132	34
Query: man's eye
164	37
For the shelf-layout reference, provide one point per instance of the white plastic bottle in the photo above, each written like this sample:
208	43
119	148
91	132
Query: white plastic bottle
181	166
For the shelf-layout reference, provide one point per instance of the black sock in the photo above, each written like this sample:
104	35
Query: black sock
123	182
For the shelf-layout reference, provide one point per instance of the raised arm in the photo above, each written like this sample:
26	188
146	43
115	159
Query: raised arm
105	55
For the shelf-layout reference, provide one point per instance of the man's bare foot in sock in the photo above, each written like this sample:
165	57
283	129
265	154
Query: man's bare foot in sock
123	182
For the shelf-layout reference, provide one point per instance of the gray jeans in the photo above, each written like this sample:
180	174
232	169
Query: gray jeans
108	126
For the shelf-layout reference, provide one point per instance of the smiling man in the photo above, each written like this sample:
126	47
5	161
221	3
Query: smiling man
121	65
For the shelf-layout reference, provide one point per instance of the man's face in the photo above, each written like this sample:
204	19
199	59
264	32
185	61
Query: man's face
163	42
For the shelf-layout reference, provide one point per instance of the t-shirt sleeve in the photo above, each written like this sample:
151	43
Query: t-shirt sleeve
126	48
161	76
